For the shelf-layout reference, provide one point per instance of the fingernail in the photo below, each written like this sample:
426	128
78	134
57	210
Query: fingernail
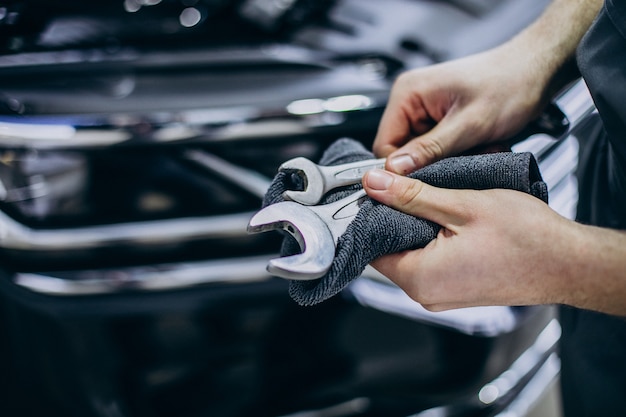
402	164
379	179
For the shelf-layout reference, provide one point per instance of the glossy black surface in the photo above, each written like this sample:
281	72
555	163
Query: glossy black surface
239	351
99	103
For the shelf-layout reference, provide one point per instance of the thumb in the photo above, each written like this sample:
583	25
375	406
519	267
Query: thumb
446	207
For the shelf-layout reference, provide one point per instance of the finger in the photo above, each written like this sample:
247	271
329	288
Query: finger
446	207
397	126
393	130
405	115
440	141
403	269
394	266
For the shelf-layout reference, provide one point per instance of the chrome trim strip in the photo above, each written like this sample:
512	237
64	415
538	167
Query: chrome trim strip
576	103
354	407
246	179
376	291
270	53
539	361
14	235
559	172
558	169
536	388
523	366
148	278
205	124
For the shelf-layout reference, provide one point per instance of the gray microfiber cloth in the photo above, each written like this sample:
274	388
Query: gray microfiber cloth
378	229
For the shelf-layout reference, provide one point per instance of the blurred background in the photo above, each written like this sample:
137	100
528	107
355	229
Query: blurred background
137	138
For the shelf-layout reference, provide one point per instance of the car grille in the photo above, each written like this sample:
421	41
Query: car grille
134	148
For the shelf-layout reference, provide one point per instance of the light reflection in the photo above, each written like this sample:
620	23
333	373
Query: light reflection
304	107
283	4
488	394
36	131
131	6
334	104
347	103
374	69
522	366
190	17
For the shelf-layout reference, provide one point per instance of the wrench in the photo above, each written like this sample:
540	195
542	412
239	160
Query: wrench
316	229
319	179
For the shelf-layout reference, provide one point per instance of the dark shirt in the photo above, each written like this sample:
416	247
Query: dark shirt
602	61
593	348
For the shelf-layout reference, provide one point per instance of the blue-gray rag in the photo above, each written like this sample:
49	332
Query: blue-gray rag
378	229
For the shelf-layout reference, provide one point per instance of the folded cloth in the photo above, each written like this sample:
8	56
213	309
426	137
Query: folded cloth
378	229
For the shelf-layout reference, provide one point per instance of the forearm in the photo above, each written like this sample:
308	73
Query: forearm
550	43
595	275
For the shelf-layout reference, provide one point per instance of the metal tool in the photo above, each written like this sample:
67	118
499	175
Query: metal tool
319	179
316	229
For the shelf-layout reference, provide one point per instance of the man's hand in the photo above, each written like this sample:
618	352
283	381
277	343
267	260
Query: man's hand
445	109
442	110
500	247
496	247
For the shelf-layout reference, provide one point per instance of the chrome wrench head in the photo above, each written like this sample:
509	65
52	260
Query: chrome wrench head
312	177
316	229
308	229
319	179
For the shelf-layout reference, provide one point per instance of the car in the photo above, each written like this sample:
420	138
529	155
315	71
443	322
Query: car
138	137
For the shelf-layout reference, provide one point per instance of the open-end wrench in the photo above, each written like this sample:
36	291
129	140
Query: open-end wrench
316	229
319	179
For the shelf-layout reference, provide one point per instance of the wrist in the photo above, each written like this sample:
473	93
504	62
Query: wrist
548	46
595	276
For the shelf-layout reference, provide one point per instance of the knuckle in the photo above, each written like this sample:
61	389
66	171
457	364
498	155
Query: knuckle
409	191
428	149
431	148
404	78
477	121
475	125
382	149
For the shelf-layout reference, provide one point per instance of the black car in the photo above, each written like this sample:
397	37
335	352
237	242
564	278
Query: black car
137	138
